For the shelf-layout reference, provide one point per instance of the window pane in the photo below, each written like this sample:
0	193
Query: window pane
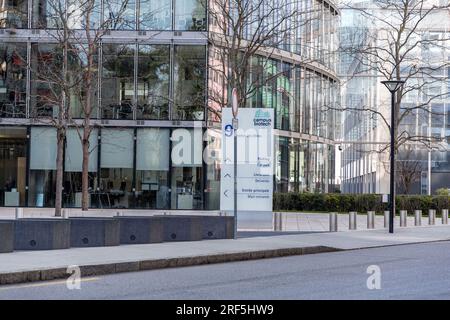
46	66
187	147
13	162
155	15
43	148
13	73
14	14
47	13
78	75
42	167
116	175
152	149
117	148
189	82
79	11
74	152
117	81
153	82
152	168
120	15
190	15
187	190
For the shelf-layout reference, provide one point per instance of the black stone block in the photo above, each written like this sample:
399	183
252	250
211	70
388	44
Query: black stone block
94	232
137	229
217	227
182	228
41	234
6	236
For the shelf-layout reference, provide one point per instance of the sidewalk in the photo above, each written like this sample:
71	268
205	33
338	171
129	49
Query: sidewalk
24	266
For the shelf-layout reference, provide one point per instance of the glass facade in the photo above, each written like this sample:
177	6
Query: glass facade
424	110
150	93
189	82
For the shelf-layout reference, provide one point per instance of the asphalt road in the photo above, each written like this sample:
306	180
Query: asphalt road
407	272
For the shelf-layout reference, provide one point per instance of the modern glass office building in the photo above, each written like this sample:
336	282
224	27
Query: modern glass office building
152	85
425	106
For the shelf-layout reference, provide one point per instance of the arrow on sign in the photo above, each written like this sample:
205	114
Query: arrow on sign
228	175
225	193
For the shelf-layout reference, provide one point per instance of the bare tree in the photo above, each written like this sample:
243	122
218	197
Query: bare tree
396	40
84	15
68	68
394	43
244	37
408	169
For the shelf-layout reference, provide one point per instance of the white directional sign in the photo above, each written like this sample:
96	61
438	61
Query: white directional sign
254	160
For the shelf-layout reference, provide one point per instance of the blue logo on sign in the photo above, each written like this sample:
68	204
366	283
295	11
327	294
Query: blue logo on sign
228	130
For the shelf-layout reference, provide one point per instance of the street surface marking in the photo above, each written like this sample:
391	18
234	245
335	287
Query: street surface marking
44	284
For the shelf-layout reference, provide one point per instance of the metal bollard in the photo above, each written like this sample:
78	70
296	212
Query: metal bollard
19	213
352	220
333	222
431	217
403	218
417	218
386	219
444	216
65	213
370	219
277	221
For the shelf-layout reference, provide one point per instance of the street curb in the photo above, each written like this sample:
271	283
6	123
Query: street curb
133	266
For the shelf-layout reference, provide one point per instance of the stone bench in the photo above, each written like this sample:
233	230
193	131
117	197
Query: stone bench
141	229
217	227
41	234
182	228
6	236
94	232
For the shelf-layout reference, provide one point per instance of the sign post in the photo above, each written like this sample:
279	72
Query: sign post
251	146
235	109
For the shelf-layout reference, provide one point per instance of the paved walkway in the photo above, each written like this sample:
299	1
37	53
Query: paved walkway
21	266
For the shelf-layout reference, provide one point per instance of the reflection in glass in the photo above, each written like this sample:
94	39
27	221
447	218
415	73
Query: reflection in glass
120	15
152	168
186	171
12	80
42	167
153	82
189	82
78	75
47	14
80	11
155	15
212	188
73	166
13	160
13	14
190	15
117	81
282	164
46	65
116	173
187	192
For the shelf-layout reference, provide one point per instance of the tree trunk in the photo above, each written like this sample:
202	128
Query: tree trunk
87	114
59	171
85	172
